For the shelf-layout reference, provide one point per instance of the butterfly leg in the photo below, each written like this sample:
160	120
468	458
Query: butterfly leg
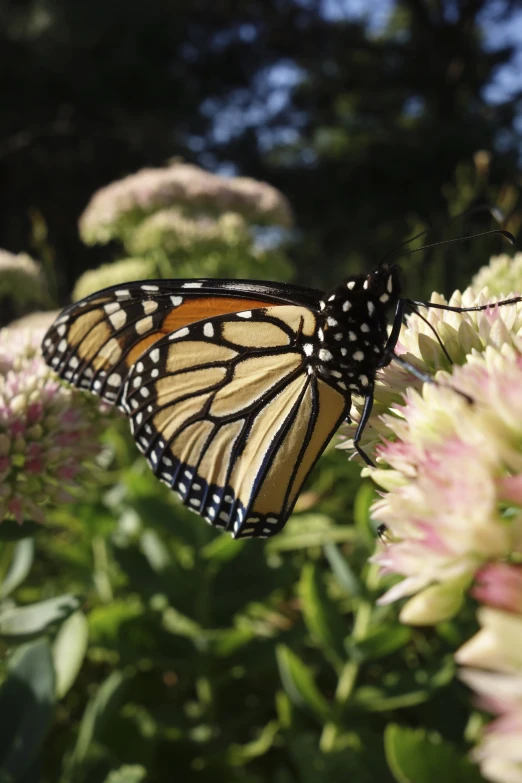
389	348
363	421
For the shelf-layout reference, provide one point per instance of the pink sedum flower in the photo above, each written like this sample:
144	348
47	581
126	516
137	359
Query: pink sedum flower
494	660
452	467
499	585
48	432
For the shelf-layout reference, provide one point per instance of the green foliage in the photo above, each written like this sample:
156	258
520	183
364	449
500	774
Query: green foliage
222	660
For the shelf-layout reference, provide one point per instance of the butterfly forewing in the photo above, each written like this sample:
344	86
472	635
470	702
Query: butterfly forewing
94	342
228	415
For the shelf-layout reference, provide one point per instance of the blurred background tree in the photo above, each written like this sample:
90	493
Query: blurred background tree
360	118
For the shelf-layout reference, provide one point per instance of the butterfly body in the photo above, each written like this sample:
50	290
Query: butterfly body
232	388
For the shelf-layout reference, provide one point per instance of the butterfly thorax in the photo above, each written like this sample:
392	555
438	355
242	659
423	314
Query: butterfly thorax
353	332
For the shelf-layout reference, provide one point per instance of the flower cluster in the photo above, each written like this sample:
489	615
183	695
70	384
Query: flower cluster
182	186
449	457
47	431
21	280
461	334
174	231
117	273
502	274
493	661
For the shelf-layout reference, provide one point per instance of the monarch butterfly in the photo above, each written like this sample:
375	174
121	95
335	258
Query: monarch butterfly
233	389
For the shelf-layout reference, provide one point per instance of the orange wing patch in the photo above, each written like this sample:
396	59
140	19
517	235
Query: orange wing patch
94	343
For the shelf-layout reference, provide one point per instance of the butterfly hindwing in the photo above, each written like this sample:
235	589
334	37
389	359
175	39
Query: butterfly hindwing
229	417
95	342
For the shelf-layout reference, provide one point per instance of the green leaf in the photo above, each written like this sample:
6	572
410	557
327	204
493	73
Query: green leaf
361	509
155	551
11	530
322	617
416	756
129	773
69	650
19	568
342	571
98	713
26	707
380	641
223	549
25	622
238	755
298	682
305	530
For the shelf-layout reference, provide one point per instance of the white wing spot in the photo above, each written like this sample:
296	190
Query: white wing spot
331	321
192	285
371	308
145	325
343	352
154	355
358	356
150	288
144	391
322	305
352	336
308	349
389	284
346	306
137	381
180	333
154	373
176	300
366	283
364	328
364	380
118	319
111	307
114	380
150	306
325	356
245	314
350	285
123	293
208	330
62	346
384	298
73	362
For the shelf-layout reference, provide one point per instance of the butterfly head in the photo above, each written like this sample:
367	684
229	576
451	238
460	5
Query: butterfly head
384	284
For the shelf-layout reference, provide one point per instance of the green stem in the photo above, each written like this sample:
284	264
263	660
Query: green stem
350	670
101	570
5	558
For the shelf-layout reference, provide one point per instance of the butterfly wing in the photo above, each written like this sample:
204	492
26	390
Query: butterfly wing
94	342
230	415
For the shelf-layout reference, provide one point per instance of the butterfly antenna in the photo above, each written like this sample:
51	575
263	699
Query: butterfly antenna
495	212
506	234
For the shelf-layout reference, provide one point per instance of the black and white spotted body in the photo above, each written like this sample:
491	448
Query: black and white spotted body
351	343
